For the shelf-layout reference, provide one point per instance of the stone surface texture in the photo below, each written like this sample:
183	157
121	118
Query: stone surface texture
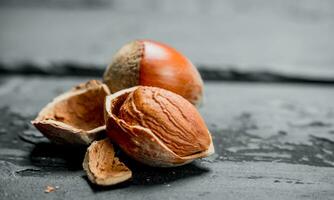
285	36
272	141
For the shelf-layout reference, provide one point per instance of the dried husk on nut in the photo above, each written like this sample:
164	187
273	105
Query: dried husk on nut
124	70
101	165
151	63
75	117
156	127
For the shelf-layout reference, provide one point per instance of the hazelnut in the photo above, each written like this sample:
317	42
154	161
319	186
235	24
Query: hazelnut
101	165
75	117
149	63
156	126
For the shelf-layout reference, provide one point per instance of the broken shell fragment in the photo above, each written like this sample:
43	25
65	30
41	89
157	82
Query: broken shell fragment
101	165
156	126
75	117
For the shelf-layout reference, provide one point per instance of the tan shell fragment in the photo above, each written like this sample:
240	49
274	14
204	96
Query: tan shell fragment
156	127
75	117
101	165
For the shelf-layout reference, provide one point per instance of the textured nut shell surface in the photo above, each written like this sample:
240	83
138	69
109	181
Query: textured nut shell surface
169	116
139	140
75	117
101	165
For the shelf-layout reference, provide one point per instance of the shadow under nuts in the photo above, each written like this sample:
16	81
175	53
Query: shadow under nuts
156	127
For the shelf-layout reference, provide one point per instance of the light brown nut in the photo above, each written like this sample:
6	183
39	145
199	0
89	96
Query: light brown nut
101	165
156	127
75	117
150	63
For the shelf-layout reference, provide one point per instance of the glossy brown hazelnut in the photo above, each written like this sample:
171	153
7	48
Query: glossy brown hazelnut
150	63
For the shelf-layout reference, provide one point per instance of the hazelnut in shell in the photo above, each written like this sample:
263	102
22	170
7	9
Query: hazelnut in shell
75	117
156	127
150	63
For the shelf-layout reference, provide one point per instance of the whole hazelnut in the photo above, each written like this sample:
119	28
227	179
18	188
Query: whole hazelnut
150	63
156	126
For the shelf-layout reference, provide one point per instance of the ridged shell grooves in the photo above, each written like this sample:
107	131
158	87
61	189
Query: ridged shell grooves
157	111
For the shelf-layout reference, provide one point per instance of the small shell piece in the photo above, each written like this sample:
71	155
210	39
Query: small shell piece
101	165
75	117
156	127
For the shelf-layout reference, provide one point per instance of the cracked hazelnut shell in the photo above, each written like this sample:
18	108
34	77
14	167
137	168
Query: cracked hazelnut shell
150	63
156	127
75	117
102	166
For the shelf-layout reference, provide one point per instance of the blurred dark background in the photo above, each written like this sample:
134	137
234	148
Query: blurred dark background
286	37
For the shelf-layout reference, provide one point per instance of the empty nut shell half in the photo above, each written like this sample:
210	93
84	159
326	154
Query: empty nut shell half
156	127
101	165
75	117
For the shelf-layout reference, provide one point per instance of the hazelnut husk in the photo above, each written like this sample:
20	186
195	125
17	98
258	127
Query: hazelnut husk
75	117
150	63
156	126
102	166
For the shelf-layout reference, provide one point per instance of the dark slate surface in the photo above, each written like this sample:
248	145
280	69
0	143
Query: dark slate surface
292	37
273	141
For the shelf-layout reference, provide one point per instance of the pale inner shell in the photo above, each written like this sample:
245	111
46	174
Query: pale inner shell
83	111
101	165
